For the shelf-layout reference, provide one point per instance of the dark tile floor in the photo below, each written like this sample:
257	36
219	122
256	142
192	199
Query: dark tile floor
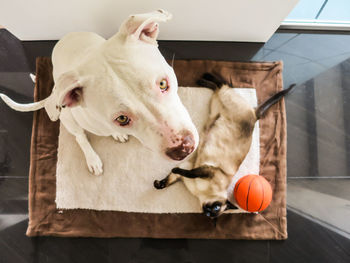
318	157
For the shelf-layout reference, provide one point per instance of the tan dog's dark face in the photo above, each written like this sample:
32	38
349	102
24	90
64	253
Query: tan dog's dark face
216	208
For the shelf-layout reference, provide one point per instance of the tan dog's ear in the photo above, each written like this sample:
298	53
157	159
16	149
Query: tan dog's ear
230	206
144	27
67	92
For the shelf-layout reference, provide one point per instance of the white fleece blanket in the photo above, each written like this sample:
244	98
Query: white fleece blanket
130	169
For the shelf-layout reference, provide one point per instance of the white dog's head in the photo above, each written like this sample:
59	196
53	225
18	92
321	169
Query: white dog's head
130	89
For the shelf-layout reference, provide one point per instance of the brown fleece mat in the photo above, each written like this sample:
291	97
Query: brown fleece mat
45	219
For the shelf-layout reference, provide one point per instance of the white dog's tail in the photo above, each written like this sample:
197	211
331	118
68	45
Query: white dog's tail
23	107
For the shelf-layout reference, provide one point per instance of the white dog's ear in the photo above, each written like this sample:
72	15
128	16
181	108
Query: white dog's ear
144	27
67	92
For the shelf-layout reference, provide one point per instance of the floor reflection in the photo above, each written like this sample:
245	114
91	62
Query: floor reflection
305	55
325	201
7	221
318	125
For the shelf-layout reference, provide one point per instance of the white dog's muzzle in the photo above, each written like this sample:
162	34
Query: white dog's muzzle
183	145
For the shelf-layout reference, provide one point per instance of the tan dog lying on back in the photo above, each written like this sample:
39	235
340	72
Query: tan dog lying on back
224	144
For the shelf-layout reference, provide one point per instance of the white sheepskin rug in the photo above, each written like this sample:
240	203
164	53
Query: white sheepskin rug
130	169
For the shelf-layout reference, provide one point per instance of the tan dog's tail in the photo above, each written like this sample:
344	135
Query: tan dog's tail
215	81
262	108
23	107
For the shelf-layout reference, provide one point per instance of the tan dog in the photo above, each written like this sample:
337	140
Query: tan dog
224	144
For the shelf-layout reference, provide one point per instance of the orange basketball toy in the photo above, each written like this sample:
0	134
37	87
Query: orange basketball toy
253	193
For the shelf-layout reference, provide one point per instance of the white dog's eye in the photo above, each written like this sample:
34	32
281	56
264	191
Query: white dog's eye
123	120
163	85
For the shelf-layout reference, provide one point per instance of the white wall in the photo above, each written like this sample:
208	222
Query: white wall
221	20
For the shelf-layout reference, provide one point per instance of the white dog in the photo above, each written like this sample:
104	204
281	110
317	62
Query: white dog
118	87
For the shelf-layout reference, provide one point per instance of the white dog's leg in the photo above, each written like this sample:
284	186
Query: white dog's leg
93	161
120	137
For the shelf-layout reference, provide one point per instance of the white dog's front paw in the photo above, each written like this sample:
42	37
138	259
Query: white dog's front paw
94	164
121	137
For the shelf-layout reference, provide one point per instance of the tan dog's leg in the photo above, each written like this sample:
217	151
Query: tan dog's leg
167	181
172	178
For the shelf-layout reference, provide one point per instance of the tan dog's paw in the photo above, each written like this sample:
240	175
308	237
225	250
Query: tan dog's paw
121	137
94	164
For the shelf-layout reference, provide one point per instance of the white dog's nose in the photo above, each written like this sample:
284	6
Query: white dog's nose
183	149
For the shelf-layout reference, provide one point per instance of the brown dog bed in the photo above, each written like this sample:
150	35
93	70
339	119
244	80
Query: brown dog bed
45	219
